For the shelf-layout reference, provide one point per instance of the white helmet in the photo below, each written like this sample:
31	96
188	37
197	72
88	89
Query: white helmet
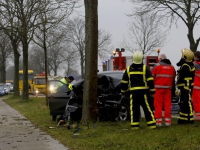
137	57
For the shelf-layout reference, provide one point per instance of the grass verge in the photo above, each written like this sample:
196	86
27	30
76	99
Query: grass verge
109	135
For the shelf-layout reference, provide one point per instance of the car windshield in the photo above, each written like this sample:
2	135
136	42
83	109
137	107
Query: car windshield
40	81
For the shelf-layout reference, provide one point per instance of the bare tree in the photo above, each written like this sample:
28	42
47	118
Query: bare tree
72	67
36	59
144	34
76	36
172	10
5	53
91	60
27	13
54	13
10	25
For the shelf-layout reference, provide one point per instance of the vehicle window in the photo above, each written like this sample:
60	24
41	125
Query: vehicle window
56	86
40	81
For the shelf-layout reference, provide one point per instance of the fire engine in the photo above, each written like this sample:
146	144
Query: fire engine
121	62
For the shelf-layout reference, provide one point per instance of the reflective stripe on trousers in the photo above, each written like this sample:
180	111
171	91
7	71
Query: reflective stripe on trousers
137	100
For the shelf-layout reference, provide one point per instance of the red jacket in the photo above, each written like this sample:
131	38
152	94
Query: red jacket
197	75
164	74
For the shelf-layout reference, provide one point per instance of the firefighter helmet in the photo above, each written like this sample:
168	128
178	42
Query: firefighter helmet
187	55
137	57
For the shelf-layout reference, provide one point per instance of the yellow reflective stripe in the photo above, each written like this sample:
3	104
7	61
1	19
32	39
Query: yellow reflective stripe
134	123
188	78
151	122
144	75
139	88
136	72
182	118
152	127
123	91
151	78
123	81
128	68
190	105
185	118
181	84
149	109
183	114
131	107
152	90
187	88
191	69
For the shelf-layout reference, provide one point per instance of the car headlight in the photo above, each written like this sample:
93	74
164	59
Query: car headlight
51	88
36	91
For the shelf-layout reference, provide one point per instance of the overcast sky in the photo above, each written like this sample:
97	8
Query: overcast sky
112	18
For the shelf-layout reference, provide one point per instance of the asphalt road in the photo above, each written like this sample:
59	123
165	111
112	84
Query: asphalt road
18	133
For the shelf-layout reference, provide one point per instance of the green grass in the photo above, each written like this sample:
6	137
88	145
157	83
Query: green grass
110	135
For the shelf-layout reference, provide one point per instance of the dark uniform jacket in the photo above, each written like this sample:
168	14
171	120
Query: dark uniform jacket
186	74
137	78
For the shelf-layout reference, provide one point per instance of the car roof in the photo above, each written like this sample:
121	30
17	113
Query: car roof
116	74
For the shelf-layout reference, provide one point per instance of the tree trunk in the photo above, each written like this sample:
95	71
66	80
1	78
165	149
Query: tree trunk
82	67
25	94
91	60
16	72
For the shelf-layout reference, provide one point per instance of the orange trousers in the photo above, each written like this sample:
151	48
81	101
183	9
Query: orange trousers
196	100
162	99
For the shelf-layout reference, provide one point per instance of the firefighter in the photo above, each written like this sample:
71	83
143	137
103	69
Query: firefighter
138	79
164	79
185	81
196	87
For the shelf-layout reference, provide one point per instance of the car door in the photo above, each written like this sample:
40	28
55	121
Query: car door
58	96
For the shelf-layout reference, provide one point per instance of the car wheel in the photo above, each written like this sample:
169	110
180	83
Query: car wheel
123	113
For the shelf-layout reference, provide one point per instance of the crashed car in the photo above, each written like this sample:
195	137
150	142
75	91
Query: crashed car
111	104
59	97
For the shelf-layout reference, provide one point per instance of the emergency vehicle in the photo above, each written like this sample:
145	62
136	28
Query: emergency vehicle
39	84
121	62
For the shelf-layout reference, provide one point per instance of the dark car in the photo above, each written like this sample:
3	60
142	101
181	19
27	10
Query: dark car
58	97
111	104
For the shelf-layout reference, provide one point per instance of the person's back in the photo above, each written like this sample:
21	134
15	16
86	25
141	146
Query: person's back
164	76
138	80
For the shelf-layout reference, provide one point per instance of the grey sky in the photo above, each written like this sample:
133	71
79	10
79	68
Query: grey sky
112	18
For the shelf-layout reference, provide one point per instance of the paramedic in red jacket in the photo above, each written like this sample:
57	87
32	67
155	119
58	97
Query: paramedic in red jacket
164	76
196	87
